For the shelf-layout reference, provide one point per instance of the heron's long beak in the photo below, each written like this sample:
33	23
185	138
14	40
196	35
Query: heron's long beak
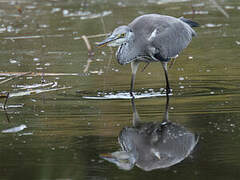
107	40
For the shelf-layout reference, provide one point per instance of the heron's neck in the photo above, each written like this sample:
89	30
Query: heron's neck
126	53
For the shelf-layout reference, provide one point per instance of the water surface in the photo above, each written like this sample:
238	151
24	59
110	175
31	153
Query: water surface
50	130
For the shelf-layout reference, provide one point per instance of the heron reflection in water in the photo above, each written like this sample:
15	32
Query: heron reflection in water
152	145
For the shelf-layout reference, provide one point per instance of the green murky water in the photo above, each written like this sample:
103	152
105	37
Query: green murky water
59	134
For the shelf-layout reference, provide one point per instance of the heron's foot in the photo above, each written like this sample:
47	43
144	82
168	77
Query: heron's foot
132	95
167	91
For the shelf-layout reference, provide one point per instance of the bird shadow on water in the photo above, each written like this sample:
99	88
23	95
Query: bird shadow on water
152	145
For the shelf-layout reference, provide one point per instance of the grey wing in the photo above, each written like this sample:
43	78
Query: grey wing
169	42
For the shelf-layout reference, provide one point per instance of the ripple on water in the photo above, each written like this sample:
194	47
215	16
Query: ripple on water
125	95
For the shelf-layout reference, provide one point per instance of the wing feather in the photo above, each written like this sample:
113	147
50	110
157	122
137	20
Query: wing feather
172	40
164	36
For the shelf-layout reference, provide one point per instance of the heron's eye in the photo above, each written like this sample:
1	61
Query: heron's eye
122	35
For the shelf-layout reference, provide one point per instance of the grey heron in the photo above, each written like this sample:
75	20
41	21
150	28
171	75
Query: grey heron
152	145
151	38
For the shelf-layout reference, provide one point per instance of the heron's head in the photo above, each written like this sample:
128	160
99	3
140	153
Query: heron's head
120	35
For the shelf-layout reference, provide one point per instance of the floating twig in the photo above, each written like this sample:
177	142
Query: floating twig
16	76
90	53
36	74
87	65
94	36
85	39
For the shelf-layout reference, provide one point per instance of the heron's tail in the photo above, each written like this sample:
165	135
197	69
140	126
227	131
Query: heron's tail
189	22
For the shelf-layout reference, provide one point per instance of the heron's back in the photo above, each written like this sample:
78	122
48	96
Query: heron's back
171	37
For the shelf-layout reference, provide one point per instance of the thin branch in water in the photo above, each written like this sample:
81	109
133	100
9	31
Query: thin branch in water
220	8
5	102
87	65
16	76
93	36
90	53
36	74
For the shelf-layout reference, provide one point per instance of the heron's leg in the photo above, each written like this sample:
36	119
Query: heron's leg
164	64
134	66
136	118
165	117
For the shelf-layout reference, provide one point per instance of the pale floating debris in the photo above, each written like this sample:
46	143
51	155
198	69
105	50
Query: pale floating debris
34	37
38	74
237	42
2	30
26	134
212	25
195	12
65	12
198	5
229	7
58	52
92	16
15	129
36	59
190	57
97	72
47	64
36	91
166	1
238	8
39	68
121	4
13	61
15	106
52	84
54	10
181	78
30	7
43	25
181	87
78	13
212	92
